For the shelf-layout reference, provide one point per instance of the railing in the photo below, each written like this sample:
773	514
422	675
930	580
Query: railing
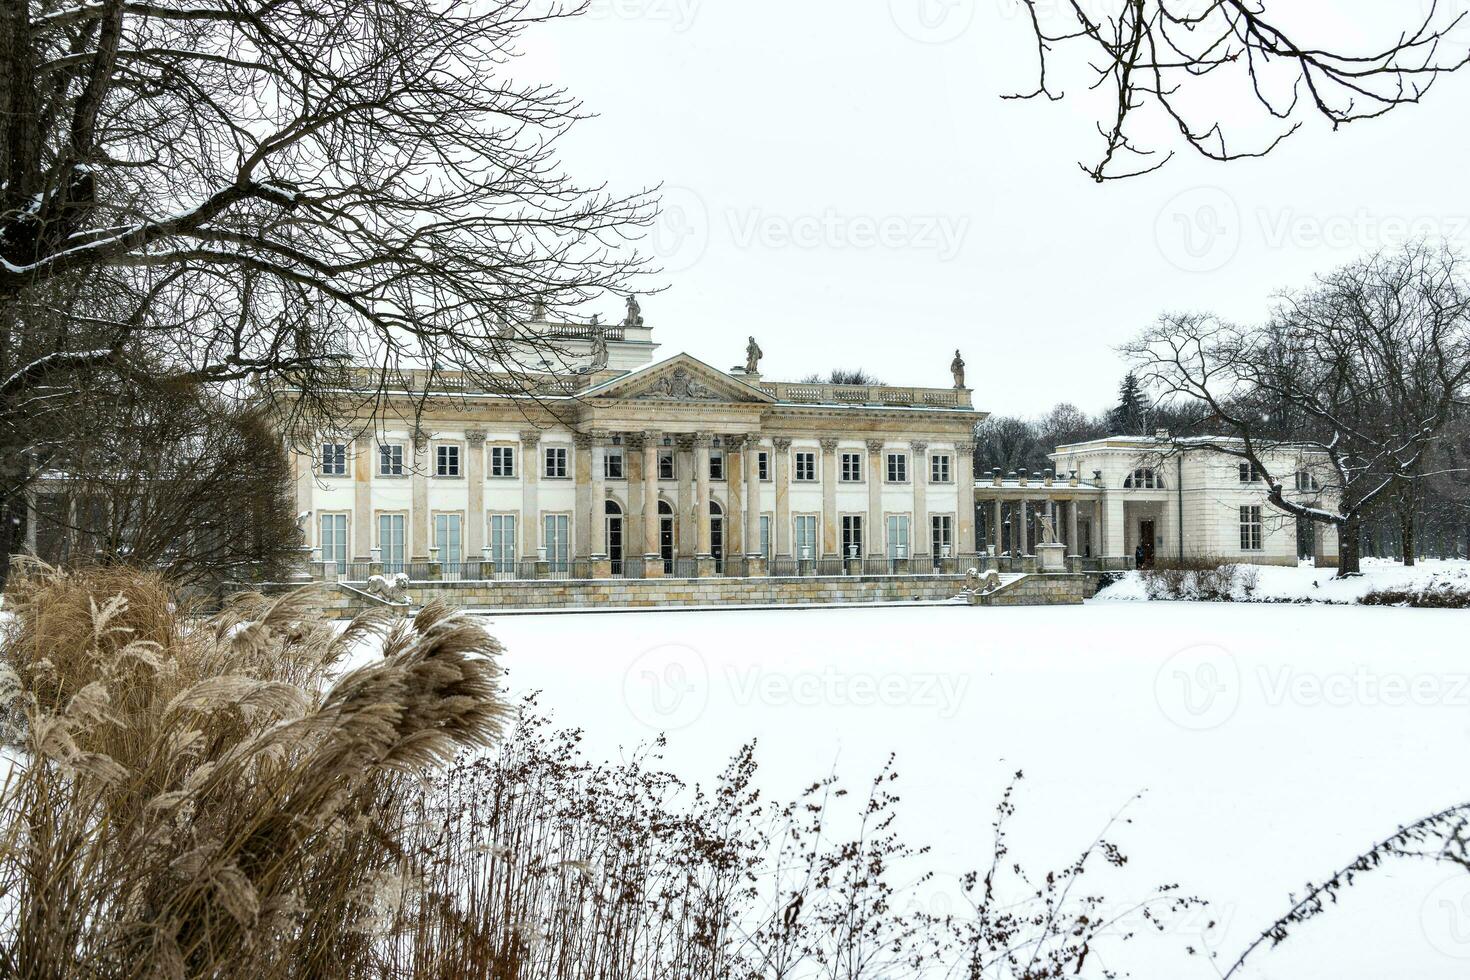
803	393
637	567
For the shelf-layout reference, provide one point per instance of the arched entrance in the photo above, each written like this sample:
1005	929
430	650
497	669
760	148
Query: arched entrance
666	535
613	515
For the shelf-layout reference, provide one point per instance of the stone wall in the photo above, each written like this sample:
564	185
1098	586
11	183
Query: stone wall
1041	590
666	592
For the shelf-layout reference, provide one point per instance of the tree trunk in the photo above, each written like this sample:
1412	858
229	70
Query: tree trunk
1348	549
1407	542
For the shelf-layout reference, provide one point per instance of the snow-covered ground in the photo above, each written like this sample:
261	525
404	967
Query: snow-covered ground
1273	742
1307	583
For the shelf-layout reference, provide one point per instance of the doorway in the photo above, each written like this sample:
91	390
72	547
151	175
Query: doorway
717	536
1146	541
613	515
666	535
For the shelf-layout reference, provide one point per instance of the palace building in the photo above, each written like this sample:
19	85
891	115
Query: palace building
640	467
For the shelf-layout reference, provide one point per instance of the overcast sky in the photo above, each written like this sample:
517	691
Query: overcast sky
843	181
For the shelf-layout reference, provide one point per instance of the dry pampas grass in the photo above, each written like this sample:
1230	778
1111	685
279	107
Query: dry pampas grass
201	797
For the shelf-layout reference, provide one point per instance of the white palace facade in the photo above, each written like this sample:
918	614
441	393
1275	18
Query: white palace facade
637	467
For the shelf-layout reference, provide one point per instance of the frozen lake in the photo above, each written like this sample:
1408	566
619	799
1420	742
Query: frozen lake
1272	743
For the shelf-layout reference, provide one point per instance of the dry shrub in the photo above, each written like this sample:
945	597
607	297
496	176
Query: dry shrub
199	797
543	865
1435	594
1204	579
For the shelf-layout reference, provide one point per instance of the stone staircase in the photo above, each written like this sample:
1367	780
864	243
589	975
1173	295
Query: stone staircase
1035	589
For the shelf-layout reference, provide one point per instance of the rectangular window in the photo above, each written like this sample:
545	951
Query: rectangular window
391	542
448	539
766	536
1250	473
556	462
717	464
1306	482
390	459
334	539
898	536
851	468
852	536
666	464
502	461
941	535
334	459
446	461
1250	528
556	533
898	468
939	468
503	541
806	467
612	465
763	466
805	526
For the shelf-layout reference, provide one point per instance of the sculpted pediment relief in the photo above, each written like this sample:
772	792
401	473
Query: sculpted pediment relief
681	379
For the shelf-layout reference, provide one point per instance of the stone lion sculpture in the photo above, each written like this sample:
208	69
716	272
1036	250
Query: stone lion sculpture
976	581
391	588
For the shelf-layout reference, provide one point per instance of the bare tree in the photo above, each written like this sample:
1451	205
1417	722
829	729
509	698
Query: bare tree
1163	66
1364	370
843	376
255	195
174	479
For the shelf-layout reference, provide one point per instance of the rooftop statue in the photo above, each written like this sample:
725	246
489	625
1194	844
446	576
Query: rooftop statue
753	355
957	368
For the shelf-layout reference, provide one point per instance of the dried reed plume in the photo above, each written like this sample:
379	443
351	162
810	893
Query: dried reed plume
201	797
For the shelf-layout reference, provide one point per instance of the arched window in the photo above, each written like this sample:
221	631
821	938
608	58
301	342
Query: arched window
611	509
1144	478
715	510
665	509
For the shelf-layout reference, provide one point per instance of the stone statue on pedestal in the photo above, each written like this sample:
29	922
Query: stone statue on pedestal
957	368
635	313
753	355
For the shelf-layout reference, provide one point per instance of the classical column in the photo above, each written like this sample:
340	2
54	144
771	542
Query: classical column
304	465
783	496
633	474
420	483
750	451
1074	547
830	545
475	508
701	494
582	481
650	496
1097	527
734	496
874	531
1019	544
964	478
997	529
919	542
363	460
597	511
685	539
530	498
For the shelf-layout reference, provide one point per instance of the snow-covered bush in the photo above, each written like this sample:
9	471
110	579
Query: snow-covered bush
1201	579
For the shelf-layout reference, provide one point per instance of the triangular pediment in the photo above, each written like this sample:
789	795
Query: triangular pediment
681	378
